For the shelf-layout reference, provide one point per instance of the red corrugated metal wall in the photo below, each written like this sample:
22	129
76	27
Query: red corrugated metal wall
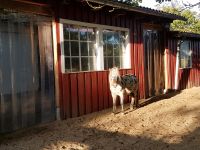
86	92
189	77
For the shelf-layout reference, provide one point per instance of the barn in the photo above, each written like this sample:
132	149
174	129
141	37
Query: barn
55	56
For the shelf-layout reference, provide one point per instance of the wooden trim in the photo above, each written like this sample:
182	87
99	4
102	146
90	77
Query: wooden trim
56	71
29	7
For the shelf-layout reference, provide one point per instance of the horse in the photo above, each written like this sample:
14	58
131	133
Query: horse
121	85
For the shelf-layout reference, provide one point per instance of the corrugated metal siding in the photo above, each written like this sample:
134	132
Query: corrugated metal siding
86	92
26	72
187	77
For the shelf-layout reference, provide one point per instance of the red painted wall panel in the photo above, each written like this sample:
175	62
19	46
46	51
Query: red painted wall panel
188	77
74	95
100	90
66	105
95	105
81	94
88	92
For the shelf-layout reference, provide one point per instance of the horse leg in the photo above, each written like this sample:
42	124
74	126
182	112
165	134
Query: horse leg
136	99
122	102
114	96
132	102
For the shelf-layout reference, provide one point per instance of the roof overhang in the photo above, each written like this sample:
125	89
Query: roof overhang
139	9
180	35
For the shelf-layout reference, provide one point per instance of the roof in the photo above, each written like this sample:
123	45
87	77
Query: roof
143	10
179	34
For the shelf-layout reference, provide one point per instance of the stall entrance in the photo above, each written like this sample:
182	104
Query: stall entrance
154	62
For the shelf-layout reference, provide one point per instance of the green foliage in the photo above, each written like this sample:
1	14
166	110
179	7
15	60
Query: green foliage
191	25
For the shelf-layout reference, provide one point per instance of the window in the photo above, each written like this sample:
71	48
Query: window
185	55
79	49
89	47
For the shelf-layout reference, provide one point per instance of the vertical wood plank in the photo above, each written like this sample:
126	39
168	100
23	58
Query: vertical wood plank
81	93
95	104
88	93
105	90
74	95
100	91
66	104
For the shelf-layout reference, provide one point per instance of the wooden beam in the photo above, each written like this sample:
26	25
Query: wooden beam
24	6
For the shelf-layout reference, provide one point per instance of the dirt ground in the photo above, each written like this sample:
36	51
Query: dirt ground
170	123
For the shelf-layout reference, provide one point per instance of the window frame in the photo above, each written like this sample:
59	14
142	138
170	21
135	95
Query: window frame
98	44
189	55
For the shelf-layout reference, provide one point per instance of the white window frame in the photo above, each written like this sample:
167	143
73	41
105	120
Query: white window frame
98	44
189	54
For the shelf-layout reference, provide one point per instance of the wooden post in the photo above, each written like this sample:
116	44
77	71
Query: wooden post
56	73
177	66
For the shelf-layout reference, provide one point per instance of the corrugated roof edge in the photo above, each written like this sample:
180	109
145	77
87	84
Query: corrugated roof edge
139	9
179	34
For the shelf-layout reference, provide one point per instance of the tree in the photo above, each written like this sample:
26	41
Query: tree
186	5
136	3
191	25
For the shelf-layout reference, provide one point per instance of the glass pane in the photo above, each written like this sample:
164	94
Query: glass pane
104	50
109	50
105	62
110	37
66	32
116	38
104	37
110	62
66	48
74	49
91	34
91	49
83	34
74	33
67	64
84	64
75	64
84	49
92	63
117	62
116	50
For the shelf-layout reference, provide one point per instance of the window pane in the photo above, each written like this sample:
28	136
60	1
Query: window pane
185	55
117	62
67	64
91	34
105	62
105	50
91	49
74	33
75	64
110	62
116	50
84	64
109	50
66	48
116	38
83	34
66	32
74	49
104	37
110	38
84	49
92	63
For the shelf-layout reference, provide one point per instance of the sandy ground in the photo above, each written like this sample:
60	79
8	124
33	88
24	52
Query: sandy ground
170	123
